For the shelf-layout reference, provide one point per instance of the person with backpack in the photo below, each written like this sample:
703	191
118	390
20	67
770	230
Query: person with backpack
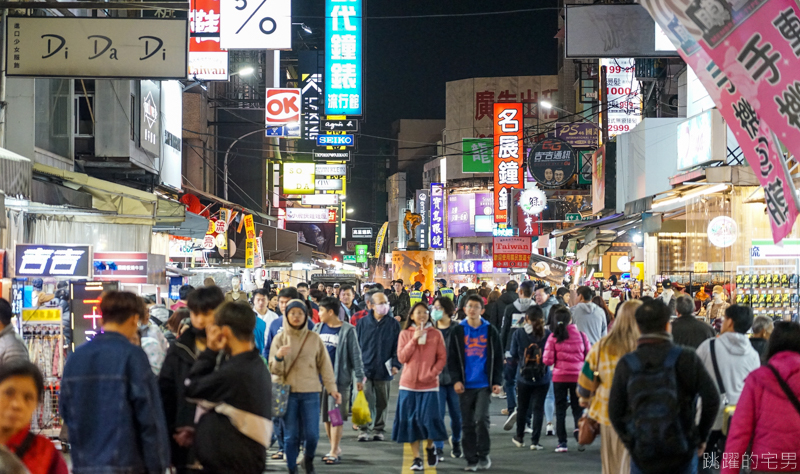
767	418
442	315
513	318
565	351
652	404
594	384
533	376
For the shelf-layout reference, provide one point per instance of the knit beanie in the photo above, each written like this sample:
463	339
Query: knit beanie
297	304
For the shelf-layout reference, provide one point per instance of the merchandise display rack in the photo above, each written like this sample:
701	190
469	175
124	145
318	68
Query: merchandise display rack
42	332
691	278
771	290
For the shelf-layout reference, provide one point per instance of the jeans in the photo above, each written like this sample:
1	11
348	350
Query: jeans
509	385
449	398
531	400
562	390
550	404
302	413
475	414
277	427
690	468
377	393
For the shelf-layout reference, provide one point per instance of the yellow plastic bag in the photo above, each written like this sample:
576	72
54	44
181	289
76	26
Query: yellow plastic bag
361	414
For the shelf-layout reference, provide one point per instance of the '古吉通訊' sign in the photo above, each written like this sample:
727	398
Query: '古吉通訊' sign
145	48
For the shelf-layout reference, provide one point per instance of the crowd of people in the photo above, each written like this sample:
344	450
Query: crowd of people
221	383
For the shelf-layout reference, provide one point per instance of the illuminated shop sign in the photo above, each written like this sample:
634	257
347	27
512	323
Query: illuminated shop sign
53	260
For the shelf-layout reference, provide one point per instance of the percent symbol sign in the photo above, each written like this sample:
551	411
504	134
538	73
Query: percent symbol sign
261	24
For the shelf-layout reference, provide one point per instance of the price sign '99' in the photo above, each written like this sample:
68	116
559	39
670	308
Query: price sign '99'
256	24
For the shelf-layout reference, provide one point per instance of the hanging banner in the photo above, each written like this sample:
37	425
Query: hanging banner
249	253
599	180
507	155
422	207
249	228
754	135
437	215
379	240
547	268
258	258
624	103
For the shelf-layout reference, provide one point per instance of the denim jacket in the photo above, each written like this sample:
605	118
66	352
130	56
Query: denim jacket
111	405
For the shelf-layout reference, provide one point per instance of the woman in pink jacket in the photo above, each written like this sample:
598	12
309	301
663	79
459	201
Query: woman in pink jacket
565	350
766	415
421	350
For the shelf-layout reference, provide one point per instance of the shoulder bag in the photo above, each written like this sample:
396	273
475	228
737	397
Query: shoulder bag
786	389
588	428
727	409
281	391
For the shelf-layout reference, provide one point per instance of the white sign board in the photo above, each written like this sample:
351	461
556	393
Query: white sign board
256	24
328	184
320	200
97	47
331	170
623	95
299	214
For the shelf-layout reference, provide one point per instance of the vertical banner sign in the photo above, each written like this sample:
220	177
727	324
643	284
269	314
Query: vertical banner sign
258	258
249	228
207	61
507	155
735	102
343	50
380	239
339	219
599	180
437	215
311	64
624	101
249	253
422	206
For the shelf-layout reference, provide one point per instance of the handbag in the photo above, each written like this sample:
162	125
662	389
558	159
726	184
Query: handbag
588	428
281	391
335	416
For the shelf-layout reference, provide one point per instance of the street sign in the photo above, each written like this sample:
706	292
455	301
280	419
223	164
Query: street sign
328	155
131	48
361	253
342	125
574	216
362	232
254	24
320	200
291	130
283	106
331	170
336	140
349	259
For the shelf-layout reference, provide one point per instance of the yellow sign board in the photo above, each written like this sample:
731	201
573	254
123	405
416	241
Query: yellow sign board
41	315
249	253
298	178
249	227
701	267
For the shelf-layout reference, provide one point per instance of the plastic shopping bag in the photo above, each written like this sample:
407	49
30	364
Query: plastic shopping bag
361	415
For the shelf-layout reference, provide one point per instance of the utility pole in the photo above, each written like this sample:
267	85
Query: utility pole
603	95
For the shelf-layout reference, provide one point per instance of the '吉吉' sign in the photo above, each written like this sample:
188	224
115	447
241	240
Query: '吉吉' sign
33	260
146	48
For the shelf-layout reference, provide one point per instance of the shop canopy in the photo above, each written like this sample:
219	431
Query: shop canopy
227	204
15	174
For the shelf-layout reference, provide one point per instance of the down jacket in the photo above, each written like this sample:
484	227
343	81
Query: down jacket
567	356
766	417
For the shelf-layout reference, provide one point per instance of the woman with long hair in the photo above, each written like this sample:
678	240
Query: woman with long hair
533	377
594	384
492	312
421	350
602	304
565	350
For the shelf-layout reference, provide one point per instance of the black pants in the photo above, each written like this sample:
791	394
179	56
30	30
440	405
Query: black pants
561	390
531	399
475	419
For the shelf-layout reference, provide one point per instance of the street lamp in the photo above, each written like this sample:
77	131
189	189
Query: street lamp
341	252
350	210
245	71
304	27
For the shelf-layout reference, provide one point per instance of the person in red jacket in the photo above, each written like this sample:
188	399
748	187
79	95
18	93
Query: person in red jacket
21	390
421	350
766	426
565	350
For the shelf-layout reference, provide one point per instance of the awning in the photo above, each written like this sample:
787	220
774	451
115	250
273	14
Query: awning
15	174
191	225
588	224
225	203
130	205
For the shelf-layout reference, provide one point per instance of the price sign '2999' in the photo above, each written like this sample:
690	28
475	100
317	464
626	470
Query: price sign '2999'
256	24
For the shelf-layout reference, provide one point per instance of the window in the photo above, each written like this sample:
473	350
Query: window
84	115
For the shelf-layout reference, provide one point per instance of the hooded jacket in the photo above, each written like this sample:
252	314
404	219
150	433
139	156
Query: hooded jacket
422	363
456	357
736	358
348	356
302	367
566	356
551	301
517	307
506	299
378	341
766	417
591	320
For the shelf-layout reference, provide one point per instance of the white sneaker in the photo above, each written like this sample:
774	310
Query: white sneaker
484	464
536	447
528	430
512	418
549	430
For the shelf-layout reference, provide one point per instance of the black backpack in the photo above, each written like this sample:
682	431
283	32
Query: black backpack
532	368
654	424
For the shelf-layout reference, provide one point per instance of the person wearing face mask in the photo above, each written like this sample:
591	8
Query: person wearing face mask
512	320
377	335
715	310
181	356
441	314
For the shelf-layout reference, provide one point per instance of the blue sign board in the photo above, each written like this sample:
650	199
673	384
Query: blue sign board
343	50
437	215
335	140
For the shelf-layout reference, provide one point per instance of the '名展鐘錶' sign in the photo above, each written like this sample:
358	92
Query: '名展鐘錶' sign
144	48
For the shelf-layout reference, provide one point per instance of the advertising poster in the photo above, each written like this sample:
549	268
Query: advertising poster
511	252
599	180
547	268
319	235
622	95
552	162
508	153
461	212
437	215
413	266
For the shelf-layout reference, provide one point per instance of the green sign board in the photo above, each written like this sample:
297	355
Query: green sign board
574	216
349	259
361	253
585	167
477	155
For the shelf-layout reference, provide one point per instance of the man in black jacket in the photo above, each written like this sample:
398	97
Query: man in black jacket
655	352
686	329
400	301
180	358
234	430
507	298
475	363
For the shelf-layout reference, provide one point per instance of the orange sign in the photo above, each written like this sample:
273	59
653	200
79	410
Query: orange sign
508	152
